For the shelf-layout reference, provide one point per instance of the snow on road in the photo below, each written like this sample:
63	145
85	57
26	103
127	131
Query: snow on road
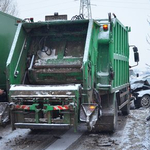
136	134
133	134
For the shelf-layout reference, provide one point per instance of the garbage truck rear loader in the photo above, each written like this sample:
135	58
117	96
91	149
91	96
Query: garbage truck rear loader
61	73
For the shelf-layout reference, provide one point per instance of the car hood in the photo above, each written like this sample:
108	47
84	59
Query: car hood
137	85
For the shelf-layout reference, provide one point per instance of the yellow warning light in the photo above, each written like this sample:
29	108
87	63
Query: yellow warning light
92	107
105	27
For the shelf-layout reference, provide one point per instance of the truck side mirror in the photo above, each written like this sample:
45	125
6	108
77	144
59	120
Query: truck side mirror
135	49
136	57
136	54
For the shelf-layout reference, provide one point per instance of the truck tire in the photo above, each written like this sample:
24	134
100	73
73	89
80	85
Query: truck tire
137	103
126	109
109	120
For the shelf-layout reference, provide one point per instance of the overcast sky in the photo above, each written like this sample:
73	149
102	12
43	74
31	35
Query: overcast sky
132	13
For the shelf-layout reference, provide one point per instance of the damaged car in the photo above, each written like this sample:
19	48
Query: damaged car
140	90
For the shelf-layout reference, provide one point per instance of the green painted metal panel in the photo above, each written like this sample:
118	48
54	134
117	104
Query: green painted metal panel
8	26
113	56
17	59
67	38
90	60
120	56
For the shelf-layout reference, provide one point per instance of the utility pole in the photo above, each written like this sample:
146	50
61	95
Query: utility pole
85	9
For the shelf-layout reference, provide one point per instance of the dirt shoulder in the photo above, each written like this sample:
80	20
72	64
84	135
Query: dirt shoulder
133	133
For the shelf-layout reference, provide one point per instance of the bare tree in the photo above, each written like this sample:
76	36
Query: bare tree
9	7
148	36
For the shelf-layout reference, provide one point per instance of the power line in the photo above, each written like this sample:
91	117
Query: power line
50	6
129	2
43	13
41	2
61	7
120	7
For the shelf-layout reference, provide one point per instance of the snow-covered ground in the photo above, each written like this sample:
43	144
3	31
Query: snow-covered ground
133	134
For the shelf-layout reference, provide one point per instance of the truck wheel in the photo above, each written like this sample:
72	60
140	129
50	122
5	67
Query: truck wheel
137	103
108	122
145	101
126	109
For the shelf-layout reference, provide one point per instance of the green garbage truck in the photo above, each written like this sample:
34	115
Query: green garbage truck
64	72
8	26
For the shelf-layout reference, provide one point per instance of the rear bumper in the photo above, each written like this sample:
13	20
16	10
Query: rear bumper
42	126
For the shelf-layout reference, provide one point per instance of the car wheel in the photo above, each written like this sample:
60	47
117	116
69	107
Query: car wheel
137	103
145	101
